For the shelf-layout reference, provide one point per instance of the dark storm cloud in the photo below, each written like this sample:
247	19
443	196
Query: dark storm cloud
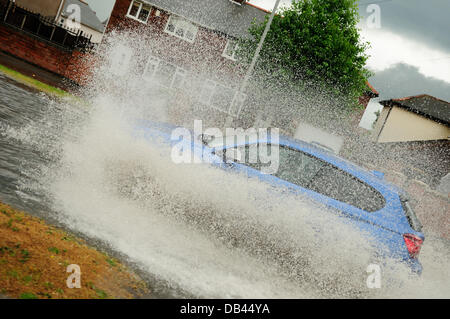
427	21
404	80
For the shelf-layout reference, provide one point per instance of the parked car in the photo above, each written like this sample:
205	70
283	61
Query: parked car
364	197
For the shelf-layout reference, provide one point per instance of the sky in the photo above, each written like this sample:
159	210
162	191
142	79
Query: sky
410	48
103	8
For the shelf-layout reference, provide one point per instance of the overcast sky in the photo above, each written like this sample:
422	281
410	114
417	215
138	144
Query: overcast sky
410	51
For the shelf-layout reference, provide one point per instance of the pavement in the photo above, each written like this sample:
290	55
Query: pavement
34	71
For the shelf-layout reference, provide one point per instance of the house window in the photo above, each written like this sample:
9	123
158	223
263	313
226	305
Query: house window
231	49
217	96
139	11
178	80
164	73
181	28
150	69
238	103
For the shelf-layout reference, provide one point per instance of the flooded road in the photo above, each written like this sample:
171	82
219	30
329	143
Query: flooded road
192	231
19	105
107	200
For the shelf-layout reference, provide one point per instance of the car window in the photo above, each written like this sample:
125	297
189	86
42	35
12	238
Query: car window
344	187
310	172
297	167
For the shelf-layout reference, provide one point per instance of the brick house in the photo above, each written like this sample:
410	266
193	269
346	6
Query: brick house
200	36
191	37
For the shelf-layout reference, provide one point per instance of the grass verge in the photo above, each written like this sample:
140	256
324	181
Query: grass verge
34	258
38	85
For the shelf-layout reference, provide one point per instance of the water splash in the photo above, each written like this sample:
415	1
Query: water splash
197	230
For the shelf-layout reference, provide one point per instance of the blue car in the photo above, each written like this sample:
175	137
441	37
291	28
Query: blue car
374	205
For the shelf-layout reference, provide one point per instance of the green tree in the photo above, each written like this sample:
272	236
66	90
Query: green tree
312	42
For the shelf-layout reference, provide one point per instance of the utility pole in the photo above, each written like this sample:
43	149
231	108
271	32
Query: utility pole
254	60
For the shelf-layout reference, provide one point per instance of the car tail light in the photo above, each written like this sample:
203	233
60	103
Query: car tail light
413	243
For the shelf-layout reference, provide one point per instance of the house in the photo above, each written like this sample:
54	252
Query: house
193	36
415	118
61	10
37	39
90	24
47	8
414	133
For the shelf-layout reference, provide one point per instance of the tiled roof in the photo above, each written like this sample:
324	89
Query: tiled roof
426	105
218	15
373	92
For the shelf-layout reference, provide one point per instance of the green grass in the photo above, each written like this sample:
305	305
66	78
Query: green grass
19	77
28	295
54	250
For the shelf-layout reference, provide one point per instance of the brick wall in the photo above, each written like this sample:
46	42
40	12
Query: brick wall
69	64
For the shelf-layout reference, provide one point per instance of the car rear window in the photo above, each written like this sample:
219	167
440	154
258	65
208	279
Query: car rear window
344	187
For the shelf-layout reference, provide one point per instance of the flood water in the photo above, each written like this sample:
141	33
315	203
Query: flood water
19	105
189	231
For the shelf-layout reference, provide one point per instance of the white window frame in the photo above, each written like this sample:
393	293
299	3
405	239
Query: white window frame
141	5
174	33
151	61
156	62
237	100
180	72
233	56
213	84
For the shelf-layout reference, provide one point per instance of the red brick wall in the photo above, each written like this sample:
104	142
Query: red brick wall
44	54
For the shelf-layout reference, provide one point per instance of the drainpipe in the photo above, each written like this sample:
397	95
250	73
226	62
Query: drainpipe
59	10
244	84
384	122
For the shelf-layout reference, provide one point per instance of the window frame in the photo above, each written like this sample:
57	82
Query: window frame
236	103
157	63
174	33
141	5
230	57
181	72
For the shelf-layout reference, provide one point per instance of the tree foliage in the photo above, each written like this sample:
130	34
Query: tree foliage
312	41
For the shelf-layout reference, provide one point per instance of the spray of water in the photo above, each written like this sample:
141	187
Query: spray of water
196	230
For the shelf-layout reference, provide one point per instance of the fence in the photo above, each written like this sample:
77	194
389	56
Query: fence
44	28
